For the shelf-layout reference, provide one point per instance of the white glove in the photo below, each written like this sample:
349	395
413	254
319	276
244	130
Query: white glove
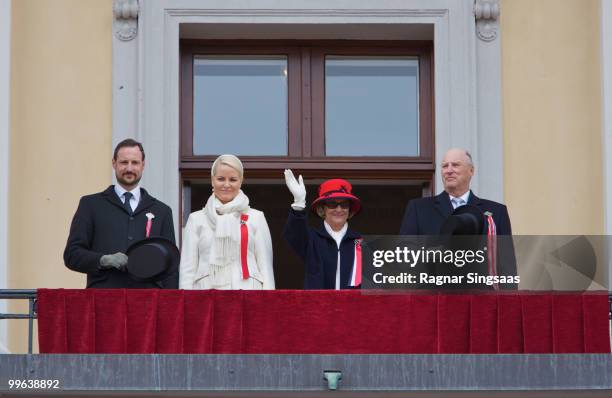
297	189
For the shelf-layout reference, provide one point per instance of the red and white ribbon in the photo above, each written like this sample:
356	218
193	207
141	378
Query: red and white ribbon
492	246
150	217
356	273
244	245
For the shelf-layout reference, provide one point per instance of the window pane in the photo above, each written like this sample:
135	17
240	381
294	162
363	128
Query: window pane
371	106
240	105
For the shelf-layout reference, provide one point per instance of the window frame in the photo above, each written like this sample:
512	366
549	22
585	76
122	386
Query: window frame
306	109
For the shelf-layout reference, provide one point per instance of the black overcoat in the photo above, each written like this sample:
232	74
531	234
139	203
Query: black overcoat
425	216
101	225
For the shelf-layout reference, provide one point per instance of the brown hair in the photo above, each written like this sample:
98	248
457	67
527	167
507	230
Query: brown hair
128	143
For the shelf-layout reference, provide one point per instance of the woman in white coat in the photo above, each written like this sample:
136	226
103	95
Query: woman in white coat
227	244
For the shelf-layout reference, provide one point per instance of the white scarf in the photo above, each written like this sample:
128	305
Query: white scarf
225	248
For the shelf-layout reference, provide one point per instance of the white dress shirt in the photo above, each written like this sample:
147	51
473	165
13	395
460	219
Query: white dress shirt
463	199
135	195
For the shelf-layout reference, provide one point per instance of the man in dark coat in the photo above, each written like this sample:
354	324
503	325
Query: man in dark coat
425	216
107	223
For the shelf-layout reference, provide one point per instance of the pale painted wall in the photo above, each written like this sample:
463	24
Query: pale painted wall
60	134
551	85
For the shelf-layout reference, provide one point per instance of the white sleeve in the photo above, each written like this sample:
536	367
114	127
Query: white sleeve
189	255
263	252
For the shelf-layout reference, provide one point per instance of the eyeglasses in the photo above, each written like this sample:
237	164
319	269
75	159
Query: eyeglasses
332	204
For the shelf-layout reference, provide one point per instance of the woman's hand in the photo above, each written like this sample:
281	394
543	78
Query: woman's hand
297	189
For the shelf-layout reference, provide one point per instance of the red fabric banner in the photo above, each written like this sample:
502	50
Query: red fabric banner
319	322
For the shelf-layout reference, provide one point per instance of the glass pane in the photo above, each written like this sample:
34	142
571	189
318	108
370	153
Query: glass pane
371	106
240	105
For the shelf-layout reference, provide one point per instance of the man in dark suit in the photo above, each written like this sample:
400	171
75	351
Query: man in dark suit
425	216
107	223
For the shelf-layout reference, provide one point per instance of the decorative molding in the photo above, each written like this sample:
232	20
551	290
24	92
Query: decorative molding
487	16
298	12
126	19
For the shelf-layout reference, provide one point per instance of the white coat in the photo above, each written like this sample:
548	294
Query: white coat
195	272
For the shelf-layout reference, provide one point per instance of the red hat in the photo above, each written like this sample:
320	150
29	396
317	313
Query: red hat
337	188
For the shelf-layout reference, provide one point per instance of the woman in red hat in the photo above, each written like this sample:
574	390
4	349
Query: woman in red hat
332	253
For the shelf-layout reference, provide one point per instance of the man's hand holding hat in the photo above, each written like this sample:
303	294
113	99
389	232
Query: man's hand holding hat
297	189
117	260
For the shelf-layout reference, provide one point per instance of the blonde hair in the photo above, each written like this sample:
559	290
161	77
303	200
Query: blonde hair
228	160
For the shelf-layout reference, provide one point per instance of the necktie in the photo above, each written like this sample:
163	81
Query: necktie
457	202
126	202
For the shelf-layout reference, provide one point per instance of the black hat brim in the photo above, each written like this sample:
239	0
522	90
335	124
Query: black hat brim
152	259
465	220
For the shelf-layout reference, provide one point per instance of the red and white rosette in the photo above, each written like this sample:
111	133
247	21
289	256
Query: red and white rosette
356	272
150	217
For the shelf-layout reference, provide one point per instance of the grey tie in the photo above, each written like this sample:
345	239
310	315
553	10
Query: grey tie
457	202
126	202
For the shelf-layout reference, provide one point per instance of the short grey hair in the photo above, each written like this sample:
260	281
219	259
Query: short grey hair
228	160
469	156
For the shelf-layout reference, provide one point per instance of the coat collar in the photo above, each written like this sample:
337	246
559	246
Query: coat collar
146	200
350	234
474	200
443	205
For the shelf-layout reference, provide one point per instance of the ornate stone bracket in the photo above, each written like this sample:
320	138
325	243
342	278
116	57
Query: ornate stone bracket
126	19
487	15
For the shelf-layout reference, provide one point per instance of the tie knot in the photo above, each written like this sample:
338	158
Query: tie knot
458	202
127	196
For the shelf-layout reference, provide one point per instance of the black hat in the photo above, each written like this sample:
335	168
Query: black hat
465	220
152	259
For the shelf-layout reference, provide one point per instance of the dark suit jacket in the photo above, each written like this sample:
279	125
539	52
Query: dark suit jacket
320	252
102	226
425	216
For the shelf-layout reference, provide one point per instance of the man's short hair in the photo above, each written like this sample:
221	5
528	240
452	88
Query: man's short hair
128	143
469	156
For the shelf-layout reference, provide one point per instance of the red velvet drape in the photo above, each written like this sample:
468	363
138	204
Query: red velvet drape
318	322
